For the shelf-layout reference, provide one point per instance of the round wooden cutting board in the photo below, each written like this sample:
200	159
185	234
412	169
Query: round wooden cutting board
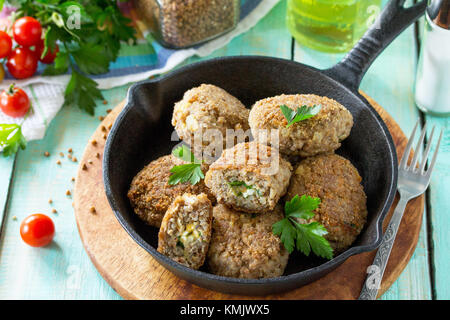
134	274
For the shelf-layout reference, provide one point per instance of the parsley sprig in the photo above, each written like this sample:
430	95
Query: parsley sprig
84	50
304	237
190	172
302	113
11	139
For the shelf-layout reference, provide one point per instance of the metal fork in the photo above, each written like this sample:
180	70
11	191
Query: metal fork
412	182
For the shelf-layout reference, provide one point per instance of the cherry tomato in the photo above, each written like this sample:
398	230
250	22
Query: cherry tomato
50	56
5	44
22	63
37	230
14	102
27	31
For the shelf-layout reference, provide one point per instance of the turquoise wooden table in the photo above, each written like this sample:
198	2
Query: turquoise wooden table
63	270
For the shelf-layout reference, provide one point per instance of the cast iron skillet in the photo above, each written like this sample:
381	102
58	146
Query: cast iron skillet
142	132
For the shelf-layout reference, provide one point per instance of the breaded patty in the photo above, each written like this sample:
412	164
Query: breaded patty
186	230
249	177
337	183
150	194
208	107
319	134
243	245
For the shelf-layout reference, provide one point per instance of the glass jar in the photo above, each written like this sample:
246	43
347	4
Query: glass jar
330	25
185	23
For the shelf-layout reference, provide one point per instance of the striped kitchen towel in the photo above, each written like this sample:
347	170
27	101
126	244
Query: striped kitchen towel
134	63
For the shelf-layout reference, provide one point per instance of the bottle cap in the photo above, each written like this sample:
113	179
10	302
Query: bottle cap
439	12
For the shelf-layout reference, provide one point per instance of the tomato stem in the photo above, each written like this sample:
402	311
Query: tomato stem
11	89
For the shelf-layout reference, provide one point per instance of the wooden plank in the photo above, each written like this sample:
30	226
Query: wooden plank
63	270
439	204
439	209
393	91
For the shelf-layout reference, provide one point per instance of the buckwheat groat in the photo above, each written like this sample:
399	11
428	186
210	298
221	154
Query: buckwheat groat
249	177
244	246
150	194
319	134
208	107
337	183
186	230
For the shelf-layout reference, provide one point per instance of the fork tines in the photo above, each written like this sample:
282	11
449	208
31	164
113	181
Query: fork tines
413	165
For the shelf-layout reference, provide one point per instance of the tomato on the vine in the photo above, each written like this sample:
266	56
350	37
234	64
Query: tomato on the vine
14	102
5	44
50	55
27	31
37	230
22	63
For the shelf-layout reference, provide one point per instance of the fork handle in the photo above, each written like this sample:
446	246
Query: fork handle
373	280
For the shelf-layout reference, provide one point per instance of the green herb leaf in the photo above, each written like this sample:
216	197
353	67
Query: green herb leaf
302	113
184	153
239	184
82	91
91	59
60	66
235	186
191	172
180	243
50	38
285	229
301	208
305	237
310	236
11	139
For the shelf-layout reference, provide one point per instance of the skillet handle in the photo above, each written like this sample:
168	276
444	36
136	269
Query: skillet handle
391	22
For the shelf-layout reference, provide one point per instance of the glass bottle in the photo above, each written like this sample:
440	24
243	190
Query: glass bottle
330	25
432	90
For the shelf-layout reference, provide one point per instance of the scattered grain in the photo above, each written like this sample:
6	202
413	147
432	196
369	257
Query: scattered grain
97	155
84	167
101	118
108	111
47	154
50	201
94	142
105	102
58	162
74	159
68	193
70	150
14	218
92	210
103	128
54	210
